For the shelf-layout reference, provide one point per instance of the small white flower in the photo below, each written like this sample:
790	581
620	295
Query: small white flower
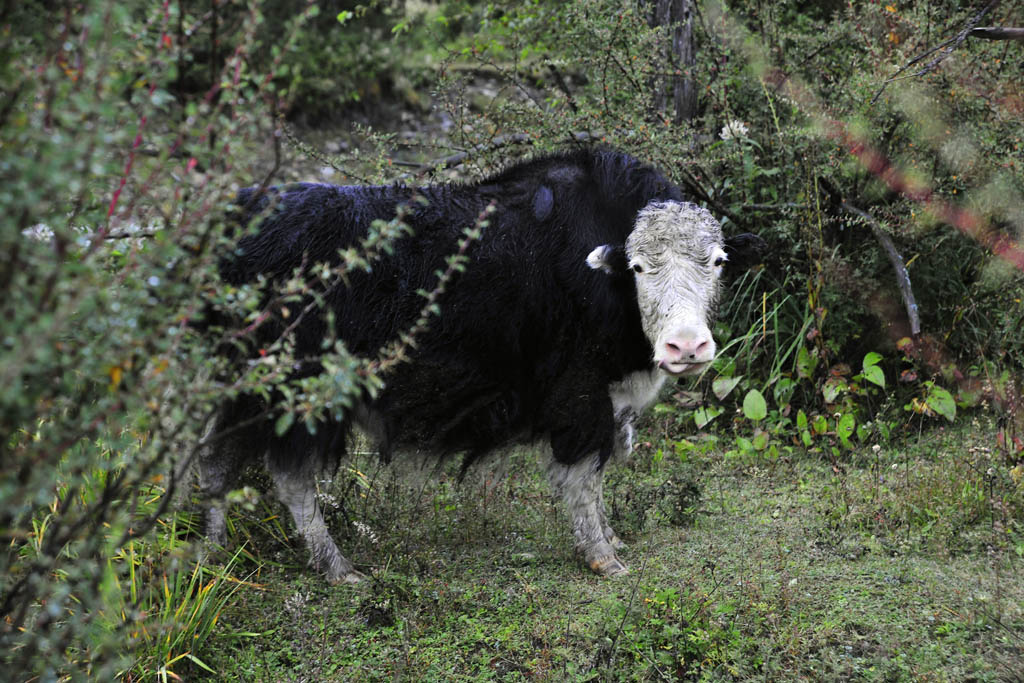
39	232
733	129
876	448
366	531
296	603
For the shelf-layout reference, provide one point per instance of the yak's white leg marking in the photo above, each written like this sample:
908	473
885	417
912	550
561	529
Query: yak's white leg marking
579	486
636	391
629	397
216	528
606	528
298	492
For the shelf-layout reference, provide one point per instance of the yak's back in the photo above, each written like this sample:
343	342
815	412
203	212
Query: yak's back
302	224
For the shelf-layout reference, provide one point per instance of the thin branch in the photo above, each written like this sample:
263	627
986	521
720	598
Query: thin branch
315	154
562	85
946	47
629	608
457	159
700	193
129	235
274	116
781	207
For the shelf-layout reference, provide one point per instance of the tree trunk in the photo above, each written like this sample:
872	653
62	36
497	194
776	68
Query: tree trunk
676	88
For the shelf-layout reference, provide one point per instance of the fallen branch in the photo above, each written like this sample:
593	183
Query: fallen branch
902	276
997	33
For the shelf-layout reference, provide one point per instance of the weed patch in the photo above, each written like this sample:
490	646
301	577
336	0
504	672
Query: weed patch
785	570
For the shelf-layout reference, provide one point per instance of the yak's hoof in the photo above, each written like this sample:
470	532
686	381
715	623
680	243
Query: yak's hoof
608	565
350	577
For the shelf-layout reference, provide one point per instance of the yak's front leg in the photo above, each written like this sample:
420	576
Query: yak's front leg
625	435
579	486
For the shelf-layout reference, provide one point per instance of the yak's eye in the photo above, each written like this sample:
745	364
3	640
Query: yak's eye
637	268
719	261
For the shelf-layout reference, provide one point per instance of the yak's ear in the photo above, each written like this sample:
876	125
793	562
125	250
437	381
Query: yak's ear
744	250
611	260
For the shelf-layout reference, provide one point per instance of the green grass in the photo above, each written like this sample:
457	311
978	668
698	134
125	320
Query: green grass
798	570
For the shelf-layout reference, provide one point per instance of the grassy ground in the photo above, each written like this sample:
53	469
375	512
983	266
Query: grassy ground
897	564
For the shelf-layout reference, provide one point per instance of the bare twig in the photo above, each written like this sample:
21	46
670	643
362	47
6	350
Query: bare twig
274	116
780	207
459	158
562	85
129	235
315	154
946	48
629	608
700	193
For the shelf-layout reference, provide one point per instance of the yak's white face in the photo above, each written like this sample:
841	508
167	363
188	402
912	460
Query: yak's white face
676	253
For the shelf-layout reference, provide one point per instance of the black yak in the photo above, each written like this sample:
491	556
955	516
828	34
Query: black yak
593	282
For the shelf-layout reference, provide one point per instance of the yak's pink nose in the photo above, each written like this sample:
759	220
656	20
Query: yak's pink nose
689	350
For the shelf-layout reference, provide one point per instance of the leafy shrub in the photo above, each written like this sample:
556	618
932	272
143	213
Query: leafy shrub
112	196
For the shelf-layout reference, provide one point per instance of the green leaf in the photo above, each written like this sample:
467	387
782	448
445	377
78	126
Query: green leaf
941	401
344	16
723	386
706	414
820	424
833	387
871	359
760	441
783	391
845	428
754	405
801	420
874	374
200	662
805	436
682	449
284	423
805	363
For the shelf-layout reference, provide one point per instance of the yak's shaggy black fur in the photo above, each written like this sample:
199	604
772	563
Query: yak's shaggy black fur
529	338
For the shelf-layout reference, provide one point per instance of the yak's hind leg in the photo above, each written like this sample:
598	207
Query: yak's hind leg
579	486
220	463
296	488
